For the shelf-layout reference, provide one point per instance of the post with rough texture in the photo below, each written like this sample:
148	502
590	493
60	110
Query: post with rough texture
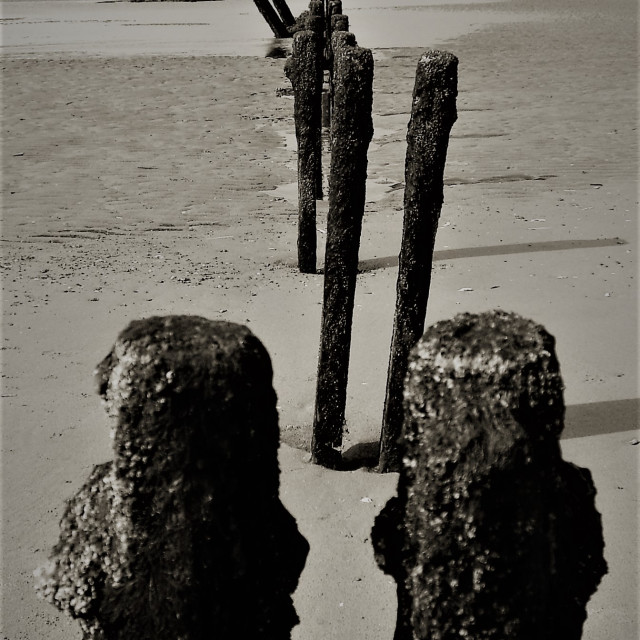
304	69
316	14
339	22
492	535
351	131
432	116
333	8
284	12
183	533
272	18
316	22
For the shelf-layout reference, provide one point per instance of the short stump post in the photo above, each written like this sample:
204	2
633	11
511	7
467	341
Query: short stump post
492	534
183	534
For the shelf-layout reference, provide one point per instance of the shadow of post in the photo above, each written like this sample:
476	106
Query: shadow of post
597	418
373	264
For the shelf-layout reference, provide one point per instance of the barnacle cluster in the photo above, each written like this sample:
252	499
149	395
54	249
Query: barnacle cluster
90	551
489	519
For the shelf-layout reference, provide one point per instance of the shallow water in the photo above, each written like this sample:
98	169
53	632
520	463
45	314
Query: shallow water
226	27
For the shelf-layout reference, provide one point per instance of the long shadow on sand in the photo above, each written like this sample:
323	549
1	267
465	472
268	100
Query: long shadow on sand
372	264
589	419
596	418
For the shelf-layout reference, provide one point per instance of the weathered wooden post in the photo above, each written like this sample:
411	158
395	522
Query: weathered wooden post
334	8
285	13
272	18
304	69
432	116
337	22
183	533
492	534
351	132
316	22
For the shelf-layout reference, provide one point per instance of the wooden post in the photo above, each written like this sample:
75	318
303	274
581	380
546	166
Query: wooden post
432	116
333	7
304	69
492	535
336	22
317	24
315	19
183	532
273	19
285	13
351	132
339	22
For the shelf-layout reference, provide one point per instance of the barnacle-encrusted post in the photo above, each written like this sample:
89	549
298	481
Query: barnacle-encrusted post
316	22
183	533
304	69
433	113
492	534
336	21
351	132
339	22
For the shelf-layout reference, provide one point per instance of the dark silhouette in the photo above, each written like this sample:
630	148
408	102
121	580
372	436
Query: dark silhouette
183	534
492	534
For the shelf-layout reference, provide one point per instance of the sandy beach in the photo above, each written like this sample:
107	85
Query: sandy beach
155	174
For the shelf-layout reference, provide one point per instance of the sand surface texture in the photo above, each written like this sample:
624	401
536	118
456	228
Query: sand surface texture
141	181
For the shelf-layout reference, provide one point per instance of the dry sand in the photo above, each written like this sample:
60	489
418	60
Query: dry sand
146	184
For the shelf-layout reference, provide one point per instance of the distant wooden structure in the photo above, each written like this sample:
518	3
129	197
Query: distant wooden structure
278	17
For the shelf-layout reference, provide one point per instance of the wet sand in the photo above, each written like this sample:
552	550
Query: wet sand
146	182
89	28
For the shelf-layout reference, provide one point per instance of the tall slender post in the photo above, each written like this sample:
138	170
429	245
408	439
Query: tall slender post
432	116
304	69
351	132
336	21
316	23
